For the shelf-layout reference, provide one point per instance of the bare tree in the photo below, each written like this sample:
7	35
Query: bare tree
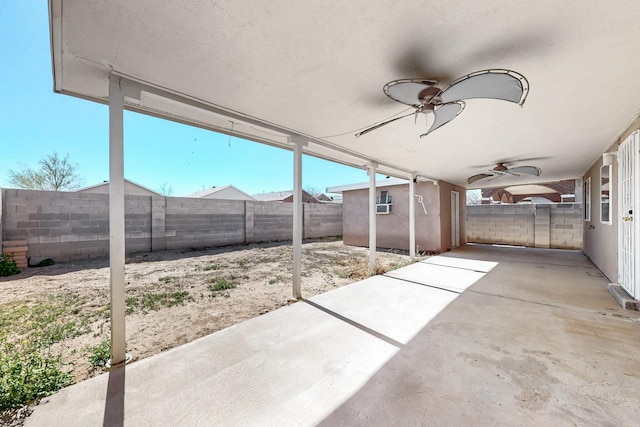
165	189
56	173
313	190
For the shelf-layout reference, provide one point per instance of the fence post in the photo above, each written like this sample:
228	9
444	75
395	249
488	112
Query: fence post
158	223
542	226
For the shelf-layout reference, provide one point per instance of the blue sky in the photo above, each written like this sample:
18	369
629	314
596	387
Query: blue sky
34	122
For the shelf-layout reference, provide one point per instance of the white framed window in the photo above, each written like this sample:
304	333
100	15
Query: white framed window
605	192
587	199
384	203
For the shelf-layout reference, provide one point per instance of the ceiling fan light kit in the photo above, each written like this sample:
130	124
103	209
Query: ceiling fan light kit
447	103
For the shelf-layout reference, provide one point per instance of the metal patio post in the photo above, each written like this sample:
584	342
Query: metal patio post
372	216
412	216
297	218
116	221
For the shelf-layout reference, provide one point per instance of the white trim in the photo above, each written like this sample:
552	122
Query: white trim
55	27
600	202
586	189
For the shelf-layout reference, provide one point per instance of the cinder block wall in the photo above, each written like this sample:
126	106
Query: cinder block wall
69	225
195	223
566	226
322	220
554	225
272	221
66	226
503	224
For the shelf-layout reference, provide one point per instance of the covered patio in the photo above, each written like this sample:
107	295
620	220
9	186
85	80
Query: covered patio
310	79
491	334
481	335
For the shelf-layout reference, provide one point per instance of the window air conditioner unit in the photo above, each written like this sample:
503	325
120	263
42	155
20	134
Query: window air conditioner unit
383	209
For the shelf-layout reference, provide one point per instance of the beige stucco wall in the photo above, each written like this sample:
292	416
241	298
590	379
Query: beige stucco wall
433	229
600	241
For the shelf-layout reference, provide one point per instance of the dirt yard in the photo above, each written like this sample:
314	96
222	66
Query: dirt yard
173	297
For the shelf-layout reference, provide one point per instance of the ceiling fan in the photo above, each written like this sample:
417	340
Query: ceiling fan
500	169
426	97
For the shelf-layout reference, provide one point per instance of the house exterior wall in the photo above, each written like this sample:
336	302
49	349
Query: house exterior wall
601	240
393	229
75	225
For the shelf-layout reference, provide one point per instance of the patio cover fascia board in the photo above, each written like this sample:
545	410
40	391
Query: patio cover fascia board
342	155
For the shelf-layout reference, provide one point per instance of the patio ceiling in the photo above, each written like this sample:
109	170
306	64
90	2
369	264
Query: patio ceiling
268	70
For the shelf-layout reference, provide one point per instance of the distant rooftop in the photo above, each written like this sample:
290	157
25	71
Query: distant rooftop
214	190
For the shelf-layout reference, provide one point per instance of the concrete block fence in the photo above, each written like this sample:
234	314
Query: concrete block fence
538	225
69	225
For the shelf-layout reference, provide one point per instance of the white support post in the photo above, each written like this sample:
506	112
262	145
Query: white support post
116	221
297	218
412	216
372	216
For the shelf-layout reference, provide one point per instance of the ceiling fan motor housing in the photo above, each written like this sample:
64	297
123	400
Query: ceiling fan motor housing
429	96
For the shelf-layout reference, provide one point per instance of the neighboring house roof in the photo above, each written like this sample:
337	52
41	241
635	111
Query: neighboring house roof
325	198
130	187
225	192
321	197
361	185
282	196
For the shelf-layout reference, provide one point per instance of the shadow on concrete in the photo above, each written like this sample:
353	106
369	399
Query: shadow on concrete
114	403
360	326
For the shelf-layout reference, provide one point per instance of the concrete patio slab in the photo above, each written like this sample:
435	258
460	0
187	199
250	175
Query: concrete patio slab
443	277
522	345
395	309
468	264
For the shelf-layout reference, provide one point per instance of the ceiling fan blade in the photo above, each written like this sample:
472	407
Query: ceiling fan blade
531	170
505	85
475	178
444	114
406	91
379	125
